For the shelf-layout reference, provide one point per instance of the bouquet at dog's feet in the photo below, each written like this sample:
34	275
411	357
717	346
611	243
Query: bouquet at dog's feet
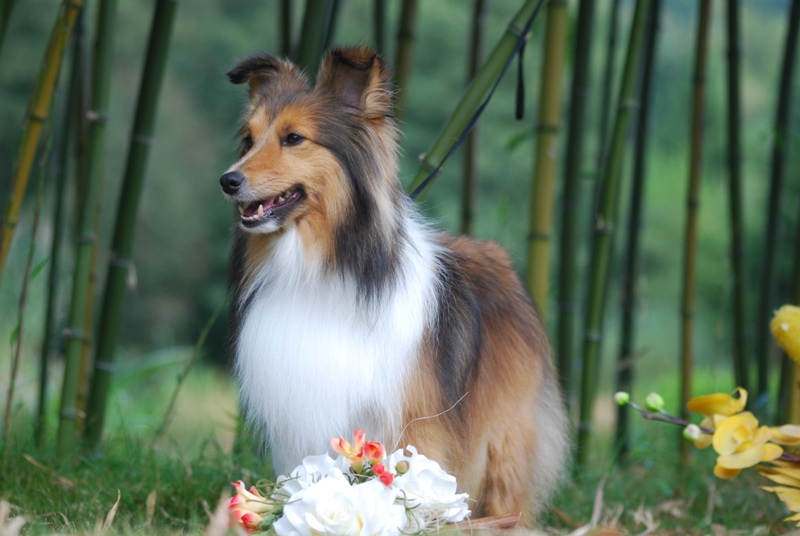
362	492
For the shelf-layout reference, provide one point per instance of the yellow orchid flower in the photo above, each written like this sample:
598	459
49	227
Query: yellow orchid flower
785	328
741	443
783	473
788	434
715	408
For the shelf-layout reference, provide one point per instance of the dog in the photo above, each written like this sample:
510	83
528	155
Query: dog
349	311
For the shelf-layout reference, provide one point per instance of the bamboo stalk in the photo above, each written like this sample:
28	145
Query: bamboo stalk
379	17
608	80
87	240
469	188
547	134
6	7
285	27
405	53
313	34
120	265
570	212
37	112
740	327
630	271
474	94
330	28
781	134
692	212
604	232
59	225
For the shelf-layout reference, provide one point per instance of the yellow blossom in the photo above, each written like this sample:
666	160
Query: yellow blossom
785	328
788	434
741	443
783	473
790	496
715	408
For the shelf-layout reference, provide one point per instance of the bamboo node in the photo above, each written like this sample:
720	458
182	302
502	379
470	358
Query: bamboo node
38	118
106	366
93	116
547	129
128	265
593	336
143	139
75	334
630	104
427	165
88	238
71	414
543	237
518	32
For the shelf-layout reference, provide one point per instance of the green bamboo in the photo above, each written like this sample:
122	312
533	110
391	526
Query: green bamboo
604	231
630	269
469	188
474	95
316	21
609	70
570	212
6	7
285	27
379	16
692	211
330	30
736	212
781	134
61	158
87	240
405	54
36	115
120	264
547	133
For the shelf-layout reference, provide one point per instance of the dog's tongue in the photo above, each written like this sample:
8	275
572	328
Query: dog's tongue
252	209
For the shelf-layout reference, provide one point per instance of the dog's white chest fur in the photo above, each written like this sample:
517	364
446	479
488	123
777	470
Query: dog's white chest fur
314	363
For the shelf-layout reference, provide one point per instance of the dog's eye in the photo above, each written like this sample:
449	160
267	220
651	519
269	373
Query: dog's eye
292	139
246	145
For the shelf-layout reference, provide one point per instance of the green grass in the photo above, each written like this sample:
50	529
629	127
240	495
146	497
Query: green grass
192	468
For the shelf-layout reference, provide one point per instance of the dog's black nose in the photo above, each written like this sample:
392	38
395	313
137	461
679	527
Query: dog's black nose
231	182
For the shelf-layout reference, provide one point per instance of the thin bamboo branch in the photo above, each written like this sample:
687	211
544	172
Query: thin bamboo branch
165	421
38	108
474	95
570	198
469	188
631	267
121	262
604	232
87	240
608	80
693	210
780	133
405	53
23	299
736	208
547	130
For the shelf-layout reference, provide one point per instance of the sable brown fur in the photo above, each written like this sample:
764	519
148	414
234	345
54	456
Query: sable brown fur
473	388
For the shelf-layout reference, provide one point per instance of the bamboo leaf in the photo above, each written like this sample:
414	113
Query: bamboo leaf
39	267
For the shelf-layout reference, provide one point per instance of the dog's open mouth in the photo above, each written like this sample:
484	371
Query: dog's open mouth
256	212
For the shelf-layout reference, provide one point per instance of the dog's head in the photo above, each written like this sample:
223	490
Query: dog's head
317	155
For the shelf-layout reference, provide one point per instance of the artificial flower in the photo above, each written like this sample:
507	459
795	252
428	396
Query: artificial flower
374	452
333	506
428	491
715	408
785	327
741	443
353	453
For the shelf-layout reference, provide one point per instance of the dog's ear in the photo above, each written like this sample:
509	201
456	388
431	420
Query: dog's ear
259	70
360	79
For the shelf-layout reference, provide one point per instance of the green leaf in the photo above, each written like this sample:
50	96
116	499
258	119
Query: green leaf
14	336
39	267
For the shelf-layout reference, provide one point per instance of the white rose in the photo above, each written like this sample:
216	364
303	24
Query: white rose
333	506
428	490
313	469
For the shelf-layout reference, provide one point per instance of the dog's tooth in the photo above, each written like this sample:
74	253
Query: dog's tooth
260	211
281	198
241	210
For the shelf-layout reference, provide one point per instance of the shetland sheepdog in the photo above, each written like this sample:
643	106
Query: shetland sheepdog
349	311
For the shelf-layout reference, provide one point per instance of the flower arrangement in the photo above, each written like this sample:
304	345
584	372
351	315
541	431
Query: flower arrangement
361	492
736	435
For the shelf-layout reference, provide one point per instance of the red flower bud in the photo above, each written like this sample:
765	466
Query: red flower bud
378	468
387	478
